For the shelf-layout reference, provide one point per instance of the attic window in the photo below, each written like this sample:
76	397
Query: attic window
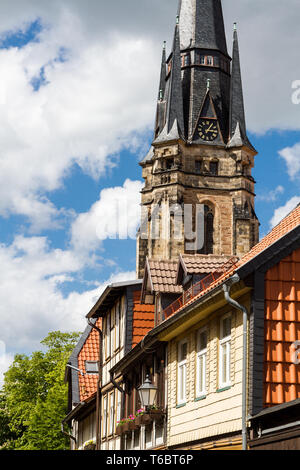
91	367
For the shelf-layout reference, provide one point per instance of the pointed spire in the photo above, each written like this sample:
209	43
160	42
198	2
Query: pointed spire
202	25
161	104
237	124
174	125
163	75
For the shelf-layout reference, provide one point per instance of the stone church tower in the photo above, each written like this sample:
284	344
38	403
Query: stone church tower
200	155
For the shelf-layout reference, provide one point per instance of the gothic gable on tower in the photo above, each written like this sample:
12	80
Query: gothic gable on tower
207	128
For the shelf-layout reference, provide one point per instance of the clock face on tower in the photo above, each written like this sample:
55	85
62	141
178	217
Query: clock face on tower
208	130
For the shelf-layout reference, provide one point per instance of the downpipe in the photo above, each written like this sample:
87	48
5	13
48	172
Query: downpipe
226	287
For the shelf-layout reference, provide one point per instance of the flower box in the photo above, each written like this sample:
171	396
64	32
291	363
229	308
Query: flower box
143	419
133	426
156	415
119	430
125	427
90	447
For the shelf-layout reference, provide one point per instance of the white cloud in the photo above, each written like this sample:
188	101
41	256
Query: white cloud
291	155
115	215
103	98
97	103
31	299
5	361
283	211
271	196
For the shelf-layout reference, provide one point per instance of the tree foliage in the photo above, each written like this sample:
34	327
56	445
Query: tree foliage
33	400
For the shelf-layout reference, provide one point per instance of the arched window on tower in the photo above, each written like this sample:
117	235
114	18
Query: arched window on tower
208	247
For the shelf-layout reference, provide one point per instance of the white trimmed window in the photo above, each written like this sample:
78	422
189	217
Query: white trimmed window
118	405
201	363
117	328
104	414
225	351
108	336
182	367
111	414
112	332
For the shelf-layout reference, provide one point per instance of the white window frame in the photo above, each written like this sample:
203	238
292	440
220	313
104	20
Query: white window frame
225	347
108	336
201	366
104	424
118	406
117	325
112	331
182	374
111	412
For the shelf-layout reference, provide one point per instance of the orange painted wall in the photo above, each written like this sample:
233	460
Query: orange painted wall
143	318
89	352
282	329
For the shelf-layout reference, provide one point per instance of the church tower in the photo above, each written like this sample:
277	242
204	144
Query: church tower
200	155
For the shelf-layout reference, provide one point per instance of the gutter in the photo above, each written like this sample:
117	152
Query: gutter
226	287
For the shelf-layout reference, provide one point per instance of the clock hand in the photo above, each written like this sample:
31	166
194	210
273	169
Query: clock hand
209	129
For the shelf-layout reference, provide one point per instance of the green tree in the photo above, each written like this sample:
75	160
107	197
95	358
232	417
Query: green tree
34	396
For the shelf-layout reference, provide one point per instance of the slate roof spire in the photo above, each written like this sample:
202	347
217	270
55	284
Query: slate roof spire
161	102
202	25
174	123
237	122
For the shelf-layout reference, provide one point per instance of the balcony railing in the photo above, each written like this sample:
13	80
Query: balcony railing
197	288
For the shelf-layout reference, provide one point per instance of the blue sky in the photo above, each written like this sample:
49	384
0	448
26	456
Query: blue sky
74	122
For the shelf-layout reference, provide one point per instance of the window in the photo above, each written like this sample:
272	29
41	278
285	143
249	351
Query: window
214	168
201	363
224	351
202	59
118	406
186	60
91	367
117	329
108	336
104	414
169	163
111	414
209	60
198	166
208	247
182	366
112	332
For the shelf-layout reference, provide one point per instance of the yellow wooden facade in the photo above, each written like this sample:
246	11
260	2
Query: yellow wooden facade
214	420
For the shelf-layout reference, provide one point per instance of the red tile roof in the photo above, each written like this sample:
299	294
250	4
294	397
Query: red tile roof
89	352
289	223
143	318
202	264
163	276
